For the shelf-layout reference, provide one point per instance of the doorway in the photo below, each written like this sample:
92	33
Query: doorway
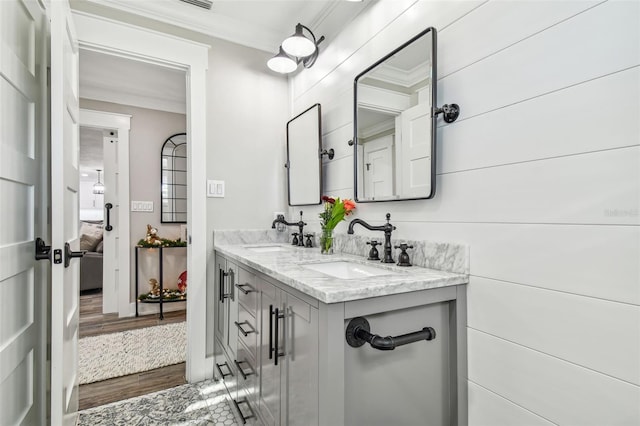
131	129
105	36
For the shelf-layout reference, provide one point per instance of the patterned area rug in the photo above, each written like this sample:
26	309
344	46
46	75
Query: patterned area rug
201	403
132	351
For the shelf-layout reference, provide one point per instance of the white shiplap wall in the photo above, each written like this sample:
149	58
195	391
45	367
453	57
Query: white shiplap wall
540	175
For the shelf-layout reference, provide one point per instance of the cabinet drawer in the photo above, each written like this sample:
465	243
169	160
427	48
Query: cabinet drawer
227	370
248	325
246	409
247	373
247	291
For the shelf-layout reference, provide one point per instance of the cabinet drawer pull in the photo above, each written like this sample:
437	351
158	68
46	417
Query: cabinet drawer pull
230	373
244	401
231	293
241	287
278	315
221	274
242	373
242	330
270	331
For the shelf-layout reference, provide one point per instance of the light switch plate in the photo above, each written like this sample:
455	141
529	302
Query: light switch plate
142	206
215	188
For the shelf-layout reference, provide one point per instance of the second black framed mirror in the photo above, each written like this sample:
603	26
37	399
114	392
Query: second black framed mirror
395	124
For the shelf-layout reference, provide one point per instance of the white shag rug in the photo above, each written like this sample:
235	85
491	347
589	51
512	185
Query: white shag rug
132	351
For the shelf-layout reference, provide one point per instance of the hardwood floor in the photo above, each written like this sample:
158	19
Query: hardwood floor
92	323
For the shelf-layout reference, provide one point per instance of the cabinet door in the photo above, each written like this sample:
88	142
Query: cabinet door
220	368
269	376
300	374
221	268
231	304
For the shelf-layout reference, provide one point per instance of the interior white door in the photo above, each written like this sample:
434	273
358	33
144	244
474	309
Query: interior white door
378	168
22	282
414	148
64	216
111	232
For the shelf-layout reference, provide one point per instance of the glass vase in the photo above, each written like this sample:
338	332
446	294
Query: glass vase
326	241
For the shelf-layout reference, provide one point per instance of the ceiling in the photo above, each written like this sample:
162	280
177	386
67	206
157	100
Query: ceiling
260	24
91	157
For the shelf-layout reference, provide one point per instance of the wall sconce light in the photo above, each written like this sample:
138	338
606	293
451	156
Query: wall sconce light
98	187
295	49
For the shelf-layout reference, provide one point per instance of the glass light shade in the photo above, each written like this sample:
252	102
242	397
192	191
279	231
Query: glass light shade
298	45
282	63
98	188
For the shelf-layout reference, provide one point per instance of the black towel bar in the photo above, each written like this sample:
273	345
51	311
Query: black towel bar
358	334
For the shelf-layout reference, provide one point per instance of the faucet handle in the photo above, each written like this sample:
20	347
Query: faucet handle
403	259
373	253
295	238
308	243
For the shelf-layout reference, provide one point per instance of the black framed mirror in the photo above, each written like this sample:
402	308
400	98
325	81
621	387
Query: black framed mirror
304	162
395	124
173	169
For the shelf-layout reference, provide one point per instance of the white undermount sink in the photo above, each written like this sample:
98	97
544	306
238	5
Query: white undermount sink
347	270
266	249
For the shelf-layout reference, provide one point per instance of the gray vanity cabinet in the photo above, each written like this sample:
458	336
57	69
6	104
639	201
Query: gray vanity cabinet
288	389
285	359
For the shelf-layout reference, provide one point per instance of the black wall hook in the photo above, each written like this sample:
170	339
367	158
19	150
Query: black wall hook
450	112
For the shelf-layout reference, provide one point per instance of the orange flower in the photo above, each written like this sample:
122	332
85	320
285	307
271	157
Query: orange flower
349	205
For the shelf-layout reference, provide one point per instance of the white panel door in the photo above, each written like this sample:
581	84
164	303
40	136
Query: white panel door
378	168
112	228
64	216
414	148
22	282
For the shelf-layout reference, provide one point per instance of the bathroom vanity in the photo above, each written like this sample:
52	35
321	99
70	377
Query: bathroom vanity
282	316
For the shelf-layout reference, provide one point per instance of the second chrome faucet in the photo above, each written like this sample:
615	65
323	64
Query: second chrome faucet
387	228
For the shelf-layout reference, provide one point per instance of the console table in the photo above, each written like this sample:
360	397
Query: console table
160	300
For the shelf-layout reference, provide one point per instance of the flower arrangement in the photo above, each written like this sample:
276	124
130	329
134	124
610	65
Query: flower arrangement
335	211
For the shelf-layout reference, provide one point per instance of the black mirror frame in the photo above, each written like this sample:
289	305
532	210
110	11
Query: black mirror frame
319	156
161	170
434	97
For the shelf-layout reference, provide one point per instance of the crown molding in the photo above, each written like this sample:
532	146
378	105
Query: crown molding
205	22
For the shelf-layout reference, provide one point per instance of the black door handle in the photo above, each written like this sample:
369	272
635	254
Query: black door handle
68	254
108	227
43	251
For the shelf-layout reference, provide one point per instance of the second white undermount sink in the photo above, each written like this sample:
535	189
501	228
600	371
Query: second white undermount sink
347	270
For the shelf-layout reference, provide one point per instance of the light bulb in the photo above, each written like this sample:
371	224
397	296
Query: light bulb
298	45
282	63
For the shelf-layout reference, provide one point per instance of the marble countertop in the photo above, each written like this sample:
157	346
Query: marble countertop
287	266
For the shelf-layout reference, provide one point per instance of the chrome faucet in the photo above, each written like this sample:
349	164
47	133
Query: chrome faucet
300	224
387	228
